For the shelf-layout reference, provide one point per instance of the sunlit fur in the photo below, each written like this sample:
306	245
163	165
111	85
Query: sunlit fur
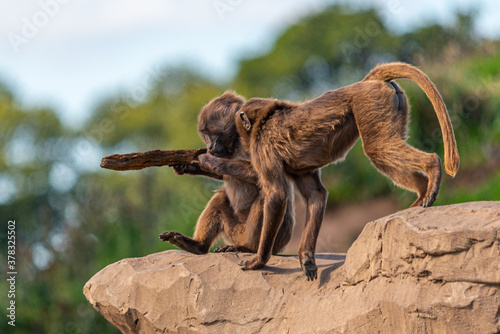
296	139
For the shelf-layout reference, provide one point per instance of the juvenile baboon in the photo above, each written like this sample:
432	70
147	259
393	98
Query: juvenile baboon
235	211
296	139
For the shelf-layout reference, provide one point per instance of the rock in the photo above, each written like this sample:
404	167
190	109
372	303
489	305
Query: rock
433	270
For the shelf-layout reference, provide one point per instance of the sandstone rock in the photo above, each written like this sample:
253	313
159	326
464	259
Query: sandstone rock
434	270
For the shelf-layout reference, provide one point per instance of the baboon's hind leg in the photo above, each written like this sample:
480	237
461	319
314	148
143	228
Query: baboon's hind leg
434	172
420	181
183	242
208	228
410	168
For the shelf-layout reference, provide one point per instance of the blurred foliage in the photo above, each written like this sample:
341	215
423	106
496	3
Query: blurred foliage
73	219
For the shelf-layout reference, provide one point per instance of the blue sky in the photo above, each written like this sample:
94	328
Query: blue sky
69	54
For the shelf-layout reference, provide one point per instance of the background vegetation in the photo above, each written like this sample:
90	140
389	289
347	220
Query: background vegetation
73	218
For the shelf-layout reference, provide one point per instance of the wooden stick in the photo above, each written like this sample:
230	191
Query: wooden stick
156	158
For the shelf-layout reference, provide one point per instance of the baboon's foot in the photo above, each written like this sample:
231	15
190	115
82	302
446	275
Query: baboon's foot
171	236
229	249
308	265
430	199
434	175
425	201
183	242
431	194
256	263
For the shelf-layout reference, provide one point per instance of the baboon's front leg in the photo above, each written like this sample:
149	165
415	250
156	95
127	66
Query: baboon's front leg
193	168
315	195
239	169
274	210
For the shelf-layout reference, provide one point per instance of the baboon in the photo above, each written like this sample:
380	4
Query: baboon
235	211
294	140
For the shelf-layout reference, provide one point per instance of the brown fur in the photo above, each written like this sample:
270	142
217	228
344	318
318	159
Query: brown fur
296	139
235	211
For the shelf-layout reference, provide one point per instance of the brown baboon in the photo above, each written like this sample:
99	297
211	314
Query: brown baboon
296	139
235	211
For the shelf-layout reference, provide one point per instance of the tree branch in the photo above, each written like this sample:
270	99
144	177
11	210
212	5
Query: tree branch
156	158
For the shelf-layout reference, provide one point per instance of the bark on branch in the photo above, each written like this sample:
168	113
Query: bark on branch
156	158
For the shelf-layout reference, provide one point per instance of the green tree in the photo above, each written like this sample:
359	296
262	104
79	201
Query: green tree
72	218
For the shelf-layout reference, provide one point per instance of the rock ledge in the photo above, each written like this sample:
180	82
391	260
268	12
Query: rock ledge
434	270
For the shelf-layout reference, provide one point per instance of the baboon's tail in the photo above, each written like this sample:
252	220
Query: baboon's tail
391	71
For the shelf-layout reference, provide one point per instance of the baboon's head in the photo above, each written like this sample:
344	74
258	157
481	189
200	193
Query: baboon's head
216	124
253	114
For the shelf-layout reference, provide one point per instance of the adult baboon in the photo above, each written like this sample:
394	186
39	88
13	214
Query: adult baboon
296	139
235	211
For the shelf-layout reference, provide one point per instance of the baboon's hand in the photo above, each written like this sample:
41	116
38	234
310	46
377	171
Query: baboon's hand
208	162
309	267
256	263
190	168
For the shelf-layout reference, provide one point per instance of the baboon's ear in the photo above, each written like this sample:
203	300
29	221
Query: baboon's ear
247	125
